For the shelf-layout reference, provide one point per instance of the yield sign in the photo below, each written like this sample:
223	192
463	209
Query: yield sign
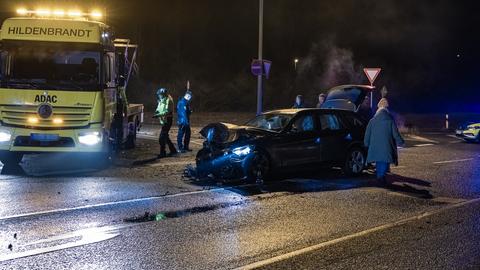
372	74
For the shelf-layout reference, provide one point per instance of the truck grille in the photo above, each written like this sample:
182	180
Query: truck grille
18	115
27	141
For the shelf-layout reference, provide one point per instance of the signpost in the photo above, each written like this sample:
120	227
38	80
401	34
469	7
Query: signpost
372	74
260	57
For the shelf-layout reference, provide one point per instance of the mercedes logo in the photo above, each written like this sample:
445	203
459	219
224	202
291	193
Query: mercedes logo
45	111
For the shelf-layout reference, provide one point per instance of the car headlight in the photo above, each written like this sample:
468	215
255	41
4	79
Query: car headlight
5	136
90	138
242	151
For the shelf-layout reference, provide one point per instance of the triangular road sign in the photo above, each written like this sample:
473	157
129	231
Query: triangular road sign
372	74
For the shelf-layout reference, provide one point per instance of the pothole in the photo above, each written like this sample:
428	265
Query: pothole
147	217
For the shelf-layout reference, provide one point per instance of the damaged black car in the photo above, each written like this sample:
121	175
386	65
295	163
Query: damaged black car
286	141
283	141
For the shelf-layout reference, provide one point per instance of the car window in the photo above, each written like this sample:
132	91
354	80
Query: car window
304	123
330	122
354	121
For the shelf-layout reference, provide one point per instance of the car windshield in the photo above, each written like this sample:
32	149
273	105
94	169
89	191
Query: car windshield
34	66
270	121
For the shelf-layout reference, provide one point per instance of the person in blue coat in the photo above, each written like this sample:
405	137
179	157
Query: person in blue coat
183	121
382	138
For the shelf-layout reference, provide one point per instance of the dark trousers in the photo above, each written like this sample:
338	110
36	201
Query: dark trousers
164	138
183	138
382	168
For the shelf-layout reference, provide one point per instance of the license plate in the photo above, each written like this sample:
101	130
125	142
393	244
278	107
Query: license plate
44	137
459	132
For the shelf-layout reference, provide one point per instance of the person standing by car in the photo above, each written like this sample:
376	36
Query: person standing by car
381	138
299	103
164	113
183	121
321	100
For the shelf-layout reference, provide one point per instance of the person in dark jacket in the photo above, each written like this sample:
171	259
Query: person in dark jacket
299	103
321	100
164	113
183	121
381	138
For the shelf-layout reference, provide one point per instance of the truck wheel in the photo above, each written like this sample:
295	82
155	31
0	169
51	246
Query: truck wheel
9	159
355	162
132	137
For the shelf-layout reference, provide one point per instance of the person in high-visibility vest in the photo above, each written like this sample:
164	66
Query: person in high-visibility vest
164	113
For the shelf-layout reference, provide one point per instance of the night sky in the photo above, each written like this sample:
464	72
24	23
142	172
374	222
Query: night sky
428	49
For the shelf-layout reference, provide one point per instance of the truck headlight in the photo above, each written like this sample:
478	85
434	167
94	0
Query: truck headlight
5	136
242	151
90	138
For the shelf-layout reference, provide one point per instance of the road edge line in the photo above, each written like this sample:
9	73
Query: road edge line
312	248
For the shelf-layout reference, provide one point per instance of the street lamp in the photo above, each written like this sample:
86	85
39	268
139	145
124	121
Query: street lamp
295	63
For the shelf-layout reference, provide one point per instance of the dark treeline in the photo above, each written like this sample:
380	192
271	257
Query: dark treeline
427	49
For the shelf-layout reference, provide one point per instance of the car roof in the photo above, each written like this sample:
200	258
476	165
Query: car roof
296	111
366	87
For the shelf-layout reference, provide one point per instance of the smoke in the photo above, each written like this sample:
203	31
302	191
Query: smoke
328	65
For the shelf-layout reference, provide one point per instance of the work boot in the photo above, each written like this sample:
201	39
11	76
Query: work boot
173	154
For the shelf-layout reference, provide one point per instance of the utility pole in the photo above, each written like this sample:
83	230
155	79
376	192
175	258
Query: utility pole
260	57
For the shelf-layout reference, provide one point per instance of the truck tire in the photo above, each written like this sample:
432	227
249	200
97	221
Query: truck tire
9	159
132	136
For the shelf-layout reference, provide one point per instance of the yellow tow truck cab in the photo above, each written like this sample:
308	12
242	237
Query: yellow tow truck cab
62	87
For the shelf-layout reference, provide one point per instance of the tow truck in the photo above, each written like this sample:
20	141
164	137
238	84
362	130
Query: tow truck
63	81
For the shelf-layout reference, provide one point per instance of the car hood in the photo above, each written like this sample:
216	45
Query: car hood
221	133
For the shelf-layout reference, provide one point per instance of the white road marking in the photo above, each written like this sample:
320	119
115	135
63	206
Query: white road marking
453	136
90	206
77	238
424	144
421	139
453	161
298	252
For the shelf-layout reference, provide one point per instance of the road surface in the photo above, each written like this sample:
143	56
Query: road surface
62	212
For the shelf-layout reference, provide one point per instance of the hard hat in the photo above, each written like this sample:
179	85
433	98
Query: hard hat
161	91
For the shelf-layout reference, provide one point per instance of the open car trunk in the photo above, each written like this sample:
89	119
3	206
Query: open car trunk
347	97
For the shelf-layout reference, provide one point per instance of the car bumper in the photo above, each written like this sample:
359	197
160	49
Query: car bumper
226	167
467	135
67	140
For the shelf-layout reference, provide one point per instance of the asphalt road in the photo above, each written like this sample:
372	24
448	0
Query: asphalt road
62	212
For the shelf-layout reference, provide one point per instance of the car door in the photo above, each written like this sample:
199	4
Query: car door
334	137
298	145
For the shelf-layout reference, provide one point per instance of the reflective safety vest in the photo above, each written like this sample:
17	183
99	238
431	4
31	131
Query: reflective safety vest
164	108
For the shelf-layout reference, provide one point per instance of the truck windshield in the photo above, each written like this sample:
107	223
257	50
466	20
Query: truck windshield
34	66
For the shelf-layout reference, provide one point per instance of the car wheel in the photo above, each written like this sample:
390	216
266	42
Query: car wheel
355	162
259	168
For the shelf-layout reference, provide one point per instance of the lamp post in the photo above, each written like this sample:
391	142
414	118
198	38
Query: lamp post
260	57
295	63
